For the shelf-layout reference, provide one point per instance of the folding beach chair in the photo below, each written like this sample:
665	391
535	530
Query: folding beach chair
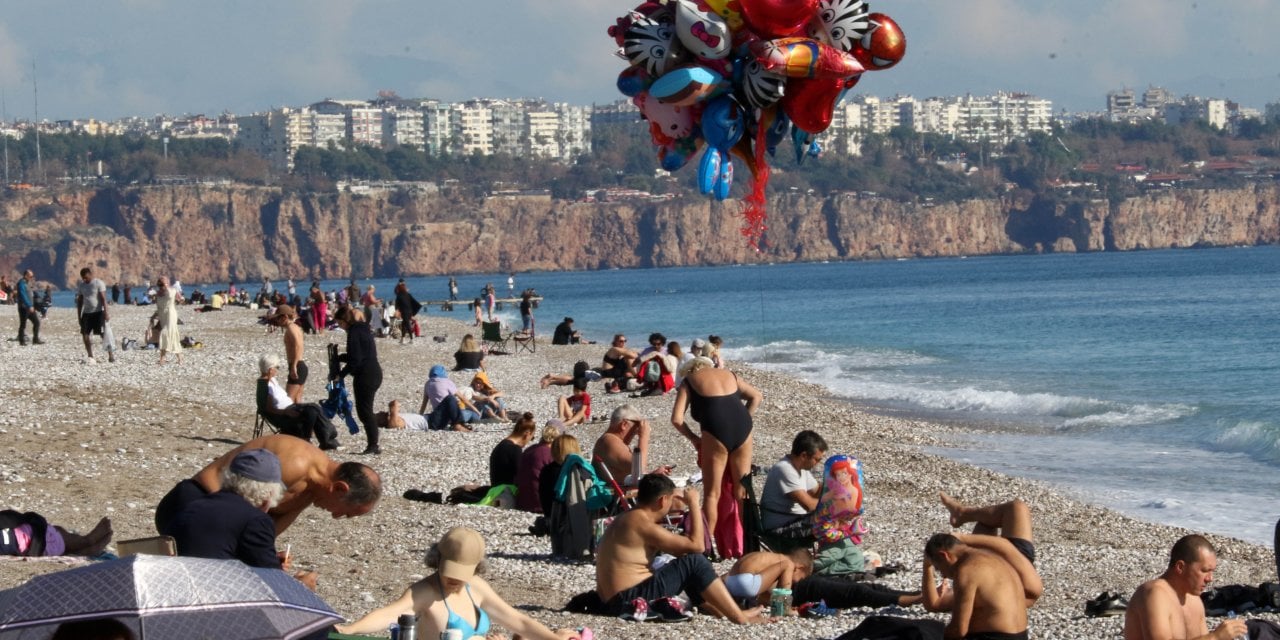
524	341
491	335
622	503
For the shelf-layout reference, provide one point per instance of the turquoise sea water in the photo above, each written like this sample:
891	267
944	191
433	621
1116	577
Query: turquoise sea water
1145	381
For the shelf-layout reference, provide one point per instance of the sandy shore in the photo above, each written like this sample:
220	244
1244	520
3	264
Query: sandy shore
86	440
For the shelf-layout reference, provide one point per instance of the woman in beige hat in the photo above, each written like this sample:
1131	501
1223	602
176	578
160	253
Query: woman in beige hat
455	597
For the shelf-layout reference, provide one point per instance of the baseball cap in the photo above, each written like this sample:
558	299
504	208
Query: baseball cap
257	464
461	550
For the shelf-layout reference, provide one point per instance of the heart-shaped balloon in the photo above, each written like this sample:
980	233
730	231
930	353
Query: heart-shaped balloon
810	102
777	18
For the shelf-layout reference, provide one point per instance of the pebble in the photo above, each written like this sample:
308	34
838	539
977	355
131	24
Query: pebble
132	429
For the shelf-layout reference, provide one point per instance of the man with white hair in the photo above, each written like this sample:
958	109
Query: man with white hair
232	523
628	430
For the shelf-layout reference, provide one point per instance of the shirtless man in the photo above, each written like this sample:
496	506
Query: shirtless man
994	581
1170	608
293	349
626	552
310	477
627	429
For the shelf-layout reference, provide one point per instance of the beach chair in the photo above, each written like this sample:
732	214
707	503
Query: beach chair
491	335
525	341
757	538
260	420
622	503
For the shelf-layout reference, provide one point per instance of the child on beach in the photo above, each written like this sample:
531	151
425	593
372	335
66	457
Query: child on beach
754	576
575	409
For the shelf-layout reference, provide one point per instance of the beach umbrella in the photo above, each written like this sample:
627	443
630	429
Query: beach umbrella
160	597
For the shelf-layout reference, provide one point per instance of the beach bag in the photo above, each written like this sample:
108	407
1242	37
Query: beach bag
502	496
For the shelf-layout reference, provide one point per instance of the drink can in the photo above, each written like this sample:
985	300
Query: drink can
394	630
451	634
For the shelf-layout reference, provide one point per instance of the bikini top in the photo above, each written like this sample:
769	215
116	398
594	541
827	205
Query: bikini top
456	622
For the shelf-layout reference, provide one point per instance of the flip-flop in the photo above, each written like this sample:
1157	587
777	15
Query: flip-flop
1106	604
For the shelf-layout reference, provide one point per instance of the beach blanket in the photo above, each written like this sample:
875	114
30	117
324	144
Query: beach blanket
839	513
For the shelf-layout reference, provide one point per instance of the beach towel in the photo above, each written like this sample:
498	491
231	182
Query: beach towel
839	513
598	495
728	533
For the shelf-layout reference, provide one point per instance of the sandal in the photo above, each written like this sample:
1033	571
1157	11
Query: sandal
1106	604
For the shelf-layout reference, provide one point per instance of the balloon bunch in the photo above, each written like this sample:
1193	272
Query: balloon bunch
740	76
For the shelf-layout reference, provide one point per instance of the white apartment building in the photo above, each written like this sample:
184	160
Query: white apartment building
544	128
475	128
440	128
403	127
364	125
575	131
276	135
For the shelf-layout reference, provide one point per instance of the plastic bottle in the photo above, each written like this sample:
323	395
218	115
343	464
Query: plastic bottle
779	602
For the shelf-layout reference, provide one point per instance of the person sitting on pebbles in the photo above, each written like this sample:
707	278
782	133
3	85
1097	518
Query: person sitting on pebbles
455	597
994	580
576	407
625	555
30	535
1169	607
346	490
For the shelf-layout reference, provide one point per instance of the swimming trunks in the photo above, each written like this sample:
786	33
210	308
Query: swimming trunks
1025	547
743	586
456	622
302	374
995	635
724	417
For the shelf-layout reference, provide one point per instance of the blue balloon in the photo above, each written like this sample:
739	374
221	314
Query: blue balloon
709	170
722	123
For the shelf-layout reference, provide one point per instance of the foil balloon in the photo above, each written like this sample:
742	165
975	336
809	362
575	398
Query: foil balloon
722	127
810	102
805	58
777	18
676	154
883	45
727	9
618	31
776	127
632	81
651	45
702	33
842	23
805	145
758	86
673	121
686	86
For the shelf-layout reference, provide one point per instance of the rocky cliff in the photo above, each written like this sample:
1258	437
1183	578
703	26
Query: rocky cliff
212	234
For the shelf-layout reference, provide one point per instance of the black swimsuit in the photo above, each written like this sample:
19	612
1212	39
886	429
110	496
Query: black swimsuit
724	417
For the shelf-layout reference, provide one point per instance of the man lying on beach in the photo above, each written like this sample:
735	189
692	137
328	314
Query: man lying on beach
626	552
310	477
1170	608
994	581
394	418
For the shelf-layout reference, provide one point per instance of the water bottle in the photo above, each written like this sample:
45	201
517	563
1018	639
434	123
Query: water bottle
636	471
1231	615
779	602
408	627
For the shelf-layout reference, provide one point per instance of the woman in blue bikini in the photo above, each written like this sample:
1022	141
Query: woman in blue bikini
455	597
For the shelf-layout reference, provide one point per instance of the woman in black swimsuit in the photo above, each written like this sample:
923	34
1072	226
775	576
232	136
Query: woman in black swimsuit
722	404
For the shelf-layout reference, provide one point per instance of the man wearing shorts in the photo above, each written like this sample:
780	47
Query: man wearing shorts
91	307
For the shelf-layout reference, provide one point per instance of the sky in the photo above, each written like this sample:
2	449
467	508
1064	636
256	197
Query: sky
108	59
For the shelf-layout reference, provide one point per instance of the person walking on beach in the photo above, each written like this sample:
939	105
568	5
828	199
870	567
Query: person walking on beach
27	309
361	363
91	308
345	490
453	289
167	319
1169	607
407	306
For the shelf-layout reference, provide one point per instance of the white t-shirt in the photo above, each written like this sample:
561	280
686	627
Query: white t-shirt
414	421
279	399
775	504
89	295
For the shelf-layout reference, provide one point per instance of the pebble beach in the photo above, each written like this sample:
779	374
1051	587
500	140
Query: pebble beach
85	440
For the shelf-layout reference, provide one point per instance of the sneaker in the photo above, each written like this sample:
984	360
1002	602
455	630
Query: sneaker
371	451
1106	604
636	611
817	609
670	610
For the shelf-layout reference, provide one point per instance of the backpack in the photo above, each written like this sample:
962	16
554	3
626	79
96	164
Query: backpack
651	371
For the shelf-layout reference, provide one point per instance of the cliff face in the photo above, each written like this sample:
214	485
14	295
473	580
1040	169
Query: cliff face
213	234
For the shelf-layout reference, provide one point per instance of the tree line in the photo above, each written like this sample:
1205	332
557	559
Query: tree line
901	164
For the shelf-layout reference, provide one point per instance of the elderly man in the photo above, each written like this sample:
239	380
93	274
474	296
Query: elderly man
1170	608
310	477
627	430
626	553
297	419
232	523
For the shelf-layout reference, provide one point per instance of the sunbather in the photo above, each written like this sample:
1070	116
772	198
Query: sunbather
30	534
1170	605
755	575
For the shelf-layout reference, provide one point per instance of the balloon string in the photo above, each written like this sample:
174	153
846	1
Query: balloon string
755	205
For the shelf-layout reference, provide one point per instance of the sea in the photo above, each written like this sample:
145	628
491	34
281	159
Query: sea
1144	381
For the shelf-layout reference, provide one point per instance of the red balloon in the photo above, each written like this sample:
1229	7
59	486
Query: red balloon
809	102
778	18
884	44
